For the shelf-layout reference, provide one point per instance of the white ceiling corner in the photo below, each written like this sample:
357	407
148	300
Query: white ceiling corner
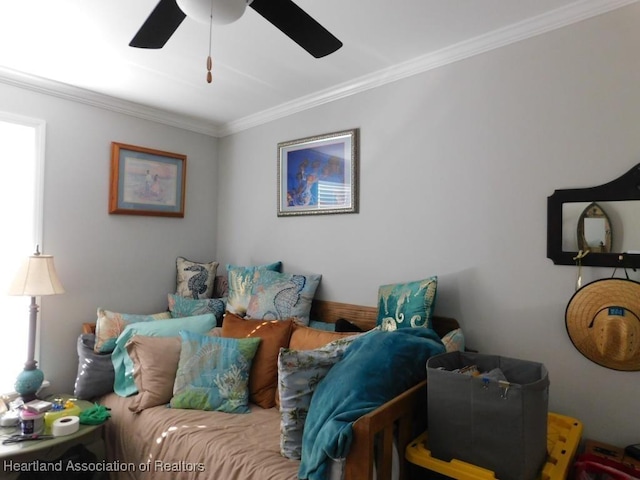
256	82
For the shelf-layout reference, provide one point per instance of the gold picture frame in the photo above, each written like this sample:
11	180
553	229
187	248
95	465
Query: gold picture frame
144	181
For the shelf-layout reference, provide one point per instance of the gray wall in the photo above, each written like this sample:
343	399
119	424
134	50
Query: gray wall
456	167
119	262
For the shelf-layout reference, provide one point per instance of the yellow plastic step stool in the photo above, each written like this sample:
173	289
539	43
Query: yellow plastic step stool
563	438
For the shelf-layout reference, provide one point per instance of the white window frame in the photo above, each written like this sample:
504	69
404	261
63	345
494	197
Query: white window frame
39	127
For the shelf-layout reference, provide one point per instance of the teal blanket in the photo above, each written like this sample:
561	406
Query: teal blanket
374	369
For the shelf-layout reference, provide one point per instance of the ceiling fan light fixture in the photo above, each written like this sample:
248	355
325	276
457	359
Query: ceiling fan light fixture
216	11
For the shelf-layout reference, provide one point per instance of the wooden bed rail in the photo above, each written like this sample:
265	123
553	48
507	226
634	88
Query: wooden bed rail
363	316
366	317
373	435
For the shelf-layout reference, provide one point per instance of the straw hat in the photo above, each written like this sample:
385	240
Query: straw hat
603	322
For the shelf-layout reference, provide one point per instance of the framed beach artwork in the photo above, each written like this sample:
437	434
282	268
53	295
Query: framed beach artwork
318	175
146	181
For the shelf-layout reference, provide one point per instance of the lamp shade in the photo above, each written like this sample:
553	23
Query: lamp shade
37	277
219	12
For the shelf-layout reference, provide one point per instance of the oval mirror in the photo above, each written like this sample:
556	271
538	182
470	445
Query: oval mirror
594	230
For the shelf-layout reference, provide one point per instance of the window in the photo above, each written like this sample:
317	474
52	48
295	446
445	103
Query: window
22	160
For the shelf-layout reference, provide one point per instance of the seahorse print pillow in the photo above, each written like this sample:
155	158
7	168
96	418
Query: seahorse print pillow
407	305
278	296
195	280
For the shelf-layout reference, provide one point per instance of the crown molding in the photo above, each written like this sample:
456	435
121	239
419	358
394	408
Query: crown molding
555	19
106	102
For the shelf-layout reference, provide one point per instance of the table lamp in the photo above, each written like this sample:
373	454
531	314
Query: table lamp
36	277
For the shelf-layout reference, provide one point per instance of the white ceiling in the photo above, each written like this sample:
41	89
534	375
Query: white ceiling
79	49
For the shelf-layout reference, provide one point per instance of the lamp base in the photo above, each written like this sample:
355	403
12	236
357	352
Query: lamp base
28	383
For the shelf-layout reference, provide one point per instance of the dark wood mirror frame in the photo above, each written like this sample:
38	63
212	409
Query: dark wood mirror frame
626	187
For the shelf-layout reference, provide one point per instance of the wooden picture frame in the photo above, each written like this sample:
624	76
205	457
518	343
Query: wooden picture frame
144	181
319	174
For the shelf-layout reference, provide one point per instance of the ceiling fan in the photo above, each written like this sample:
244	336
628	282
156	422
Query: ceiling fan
283	14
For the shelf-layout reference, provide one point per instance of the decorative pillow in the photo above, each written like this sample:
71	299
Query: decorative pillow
213	373
95	370
195	280
263	378
155	362
307	338
124	384
454	341
220	287
299	372
188	307
240	284
320	325
405	305
276	296
110	325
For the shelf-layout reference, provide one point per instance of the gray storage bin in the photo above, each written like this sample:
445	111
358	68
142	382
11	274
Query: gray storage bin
498	426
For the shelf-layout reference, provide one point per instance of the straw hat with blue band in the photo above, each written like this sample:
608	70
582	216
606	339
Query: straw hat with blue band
603	322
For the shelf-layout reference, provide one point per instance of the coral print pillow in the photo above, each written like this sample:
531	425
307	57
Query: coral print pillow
109	326
195	280
213	373
241	284
405	305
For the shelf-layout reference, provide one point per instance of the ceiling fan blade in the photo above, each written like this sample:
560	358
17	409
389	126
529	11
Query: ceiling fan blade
159	26
298	26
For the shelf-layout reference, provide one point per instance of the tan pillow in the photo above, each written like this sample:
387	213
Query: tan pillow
274	334
307	338
155	362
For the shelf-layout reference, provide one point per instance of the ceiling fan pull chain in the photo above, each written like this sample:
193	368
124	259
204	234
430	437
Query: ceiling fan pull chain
209	60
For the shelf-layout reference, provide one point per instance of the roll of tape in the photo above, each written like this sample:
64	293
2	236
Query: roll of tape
65	426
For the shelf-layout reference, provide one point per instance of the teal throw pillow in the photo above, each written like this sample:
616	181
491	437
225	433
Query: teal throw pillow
188	307
405	305
278	296
124	384
299	372
213	373
109	325
241	283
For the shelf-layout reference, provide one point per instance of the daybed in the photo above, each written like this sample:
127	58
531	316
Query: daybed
161	442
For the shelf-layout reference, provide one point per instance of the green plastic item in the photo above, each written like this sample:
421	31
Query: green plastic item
94	415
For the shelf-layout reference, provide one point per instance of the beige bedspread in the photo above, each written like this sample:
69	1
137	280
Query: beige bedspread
166	443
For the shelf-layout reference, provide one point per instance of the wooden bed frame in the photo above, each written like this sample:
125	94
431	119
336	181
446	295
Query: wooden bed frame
402	418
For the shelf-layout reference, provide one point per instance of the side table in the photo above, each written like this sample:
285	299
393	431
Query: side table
16	457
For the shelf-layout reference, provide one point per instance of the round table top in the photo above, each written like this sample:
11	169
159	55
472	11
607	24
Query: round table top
37	447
